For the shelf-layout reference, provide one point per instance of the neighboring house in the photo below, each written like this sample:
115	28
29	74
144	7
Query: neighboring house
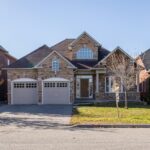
72	70
5	60
144	75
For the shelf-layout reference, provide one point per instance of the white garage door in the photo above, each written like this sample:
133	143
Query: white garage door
24	92
56	91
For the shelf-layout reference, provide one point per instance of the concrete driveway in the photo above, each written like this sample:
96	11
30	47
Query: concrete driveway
35	116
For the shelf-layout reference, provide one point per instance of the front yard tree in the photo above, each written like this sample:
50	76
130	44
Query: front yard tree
122	66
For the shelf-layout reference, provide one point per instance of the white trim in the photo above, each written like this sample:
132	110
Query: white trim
97	82
11	101
84	77
137	82
69	92
55	60
117	48
24	80
109	80
8	61
36	66
42	92
54	79
79	37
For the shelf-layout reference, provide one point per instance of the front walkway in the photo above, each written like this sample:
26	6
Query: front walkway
35	116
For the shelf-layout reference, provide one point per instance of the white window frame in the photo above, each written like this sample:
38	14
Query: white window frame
8	62
84	53
109	82
55	65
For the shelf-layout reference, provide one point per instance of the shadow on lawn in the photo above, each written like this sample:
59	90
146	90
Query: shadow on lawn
22	117
121	105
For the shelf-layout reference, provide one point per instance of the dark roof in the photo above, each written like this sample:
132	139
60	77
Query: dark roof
62	46
102	53
146	59
32	59
85	64
39	54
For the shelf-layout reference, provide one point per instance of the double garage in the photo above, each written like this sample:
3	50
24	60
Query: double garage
54	91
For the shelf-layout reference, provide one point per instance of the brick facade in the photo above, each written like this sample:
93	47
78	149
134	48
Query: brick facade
43	70
5	60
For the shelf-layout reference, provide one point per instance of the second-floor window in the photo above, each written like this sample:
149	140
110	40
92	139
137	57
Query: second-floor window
84	53
55	65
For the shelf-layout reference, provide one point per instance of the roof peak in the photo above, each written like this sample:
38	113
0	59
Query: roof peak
80	36
3	49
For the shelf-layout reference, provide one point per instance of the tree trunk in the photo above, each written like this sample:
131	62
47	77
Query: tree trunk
117	106
126	101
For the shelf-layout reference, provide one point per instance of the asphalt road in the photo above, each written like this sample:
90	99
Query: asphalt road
67	138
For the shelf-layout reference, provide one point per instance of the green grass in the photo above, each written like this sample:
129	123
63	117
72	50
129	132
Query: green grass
106	113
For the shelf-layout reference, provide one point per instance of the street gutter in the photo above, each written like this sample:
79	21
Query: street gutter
112	126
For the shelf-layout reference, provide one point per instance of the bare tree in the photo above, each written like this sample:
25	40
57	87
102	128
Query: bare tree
122	66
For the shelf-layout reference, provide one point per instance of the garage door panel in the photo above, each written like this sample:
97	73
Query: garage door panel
25	93
56	93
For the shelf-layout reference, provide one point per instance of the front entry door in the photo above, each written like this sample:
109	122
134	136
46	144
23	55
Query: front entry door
84	88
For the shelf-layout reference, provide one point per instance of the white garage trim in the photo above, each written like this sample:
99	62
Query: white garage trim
23	80
56	80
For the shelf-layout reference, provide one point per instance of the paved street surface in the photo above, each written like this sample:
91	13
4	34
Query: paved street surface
74	139
46	128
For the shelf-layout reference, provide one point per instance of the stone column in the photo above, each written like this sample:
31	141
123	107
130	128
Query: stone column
97	84
137	81
39	90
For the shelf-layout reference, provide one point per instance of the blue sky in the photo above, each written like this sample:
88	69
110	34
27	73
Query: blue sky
28	24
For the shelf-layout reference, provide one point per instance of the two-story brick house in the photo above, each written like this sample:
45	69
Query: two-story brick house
5	60
71	70
144	75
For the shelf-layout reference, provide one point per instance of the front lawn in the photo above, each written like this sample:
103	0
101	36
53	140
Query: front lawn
106	113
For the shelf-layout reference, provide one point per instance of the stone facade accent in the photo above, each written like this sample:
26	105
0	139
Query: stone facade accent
43	71
144	77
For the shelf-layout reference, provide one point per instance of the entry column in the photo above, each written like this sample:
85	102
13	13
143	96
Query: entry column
97	83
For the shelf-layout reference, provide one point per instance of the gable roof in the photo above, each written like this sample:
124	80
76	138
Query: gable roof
116	49
58	55
33	58
79	37
145	56
5	52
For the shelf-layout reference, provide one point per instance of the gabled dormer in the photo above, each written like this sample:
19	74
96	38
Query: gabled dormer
84	47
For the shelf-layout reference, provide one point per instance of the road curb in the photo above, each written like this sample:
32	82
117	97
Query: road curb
112	126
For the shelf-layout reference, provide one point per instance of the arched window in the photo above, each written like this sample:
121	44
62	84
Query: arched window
84	53
55	65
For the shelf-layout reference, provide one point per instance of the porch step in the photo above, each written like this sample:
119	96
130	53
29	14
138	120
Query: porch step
84	102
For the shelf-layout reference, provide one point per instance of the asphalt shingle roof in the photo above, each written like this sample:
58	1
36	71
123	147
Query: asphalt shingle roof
33	58
39	54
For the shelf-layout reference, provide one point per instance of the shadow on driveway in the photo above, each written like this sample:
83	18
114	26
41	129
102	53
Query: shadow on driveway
35	116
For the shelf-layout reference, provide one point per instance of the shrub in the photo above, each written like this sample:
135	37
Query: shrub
145	97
